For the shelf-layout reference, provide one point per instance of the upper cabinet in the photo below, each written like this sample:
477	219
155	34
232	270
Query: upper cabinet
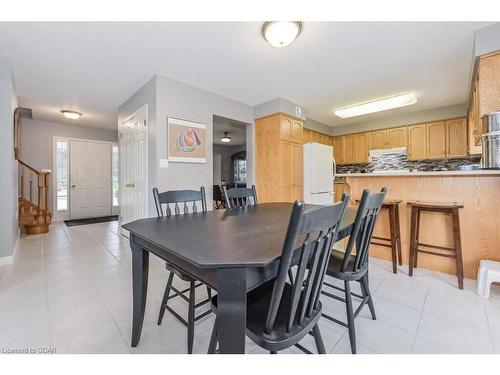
387	138
436	140
348	156
396	137
484	98
361	148
417	142
337	149
290	129
456	137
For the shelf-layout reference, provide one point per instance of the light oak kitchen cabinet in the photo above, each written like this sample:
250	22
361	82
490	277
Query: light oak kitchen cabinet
387	138
456	137
436	140
348	149
361	148
417	142
337	150
279	158
484	99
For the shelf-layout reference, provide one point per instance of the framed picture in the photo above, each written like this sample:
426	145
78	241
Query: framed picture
187	141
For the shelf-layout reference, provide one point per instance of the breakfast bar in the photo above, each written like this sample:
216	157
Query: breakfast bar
477	190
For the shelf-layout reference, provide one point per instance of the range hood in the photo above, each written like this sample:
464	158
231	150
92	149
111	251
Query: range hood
387	151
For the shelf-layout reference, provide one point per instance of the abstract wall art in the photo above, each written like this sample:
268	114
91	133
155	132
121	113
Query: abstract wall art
187	141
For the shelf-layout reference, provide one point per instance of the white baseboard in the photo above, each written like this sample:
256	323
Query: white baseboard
10	258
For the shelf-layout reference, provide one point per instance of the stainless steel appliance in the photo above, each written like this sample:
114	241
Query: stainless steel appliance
491	150
491	122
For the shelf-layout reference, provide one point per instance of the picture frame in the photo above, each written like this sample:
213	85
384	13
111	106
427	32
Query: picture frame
186	140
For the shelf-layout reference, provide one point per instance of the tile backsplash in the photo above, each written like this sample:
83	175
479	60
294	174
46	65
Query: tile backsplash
399	160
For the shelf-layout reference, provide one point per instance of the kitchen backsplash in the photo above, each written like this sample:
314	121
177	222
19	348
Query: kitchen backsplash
400	160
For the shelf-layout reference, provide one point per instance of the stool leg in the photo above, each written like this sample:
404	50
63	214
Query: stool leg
413	231
392	226
415	255
398	236
458	247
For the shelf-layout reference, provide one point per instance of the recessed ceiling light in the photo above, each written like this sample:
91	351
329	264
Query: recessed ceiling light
281	33
225	138
72	115
377	105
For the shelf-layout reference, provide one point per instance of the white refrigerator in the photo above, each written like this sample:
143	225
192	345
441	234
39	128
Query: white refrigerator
319	167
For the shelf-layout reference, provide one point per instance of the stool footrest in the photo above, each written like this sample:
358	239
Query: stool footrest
436	246
453	256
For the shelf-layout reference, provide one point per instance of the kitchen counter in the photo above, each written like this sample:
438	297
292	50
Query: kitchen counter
477	190
478	172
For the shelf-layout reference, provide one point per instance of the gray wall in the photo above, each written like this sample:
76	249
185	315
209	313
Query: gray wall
318	126
177	99
8	183
407	119
37	141
487	40
169	98
278	105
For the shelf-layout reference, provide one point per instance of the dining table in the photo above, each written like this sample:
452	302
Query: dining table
232	251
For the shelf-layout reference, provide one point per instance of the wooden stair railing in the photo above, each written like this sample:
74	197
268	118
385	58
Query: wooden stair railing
34	215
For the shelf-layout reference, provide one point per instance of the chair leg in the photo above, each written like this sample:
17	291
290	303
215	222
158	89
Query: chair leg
212	346
350	317
192	302
413	231
366	293
290	276
416	239
166	295
392	226
458	248
320	345
398	237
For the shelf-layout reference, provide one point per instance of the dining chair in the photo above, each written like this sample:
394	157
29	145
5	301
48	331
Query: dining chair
218	198
349	266
280	314
172	199
238	197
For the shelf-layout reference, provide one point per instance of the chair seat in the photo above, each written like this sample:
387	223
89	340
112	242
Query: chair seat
258	302
335	263
179	273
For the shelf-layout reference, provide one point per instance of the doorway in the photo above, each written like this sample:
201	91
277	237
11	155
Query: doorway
230	161
133	138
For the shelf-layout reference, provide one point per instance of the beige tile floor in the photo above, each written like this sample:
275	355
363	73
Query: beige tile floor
71	290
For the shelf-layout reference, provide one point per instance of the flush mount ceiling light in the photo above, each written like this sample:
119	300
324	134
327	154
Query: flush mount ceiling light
281	33
72	115
377	105
225	138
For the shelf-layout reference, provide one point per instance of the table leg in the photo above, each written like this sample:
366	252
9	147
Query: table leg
231	310
140	268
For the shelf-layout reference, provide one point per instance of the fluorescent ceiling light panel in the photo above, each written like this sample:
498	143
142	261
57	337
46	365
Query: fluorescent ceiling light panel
377	105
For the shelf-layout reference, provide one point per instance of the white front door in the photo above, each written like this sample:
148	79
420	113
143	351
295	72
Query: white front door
90	179
133	167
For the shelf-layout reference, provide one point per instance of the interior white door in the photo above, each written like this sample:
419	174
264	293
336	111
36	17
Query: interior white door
133	167
90	179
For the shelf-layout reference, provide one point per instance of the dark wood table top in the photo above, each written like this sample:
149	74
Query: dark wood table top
251	236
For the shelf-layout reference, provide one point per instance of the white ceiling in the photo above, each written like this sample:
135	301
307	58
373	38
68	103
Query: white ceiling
235	129
95	67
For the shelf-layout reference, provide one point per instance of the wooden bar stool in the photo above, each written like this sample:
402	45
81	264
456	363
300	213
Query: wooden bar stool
394	241
416	246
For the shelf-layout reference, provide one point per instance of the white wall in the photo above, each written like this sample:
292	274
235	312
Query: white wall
37	142
8	183
407	119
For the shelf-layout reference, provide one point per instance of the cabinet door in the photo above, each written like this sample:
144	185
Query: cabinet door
316	137
436	139
297	172
297	129
348	149
417	142
377	139
338	190
473	124
337	149
285	189
456	137
361	148
396	137
489	85
285	128
306	136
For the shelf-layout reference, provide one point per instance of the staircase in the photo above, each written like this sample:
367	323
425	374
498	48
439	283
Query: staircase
34	216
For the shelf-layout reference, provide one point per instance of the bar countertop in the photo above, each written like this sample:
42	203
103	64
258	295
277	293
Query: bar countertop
477	172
